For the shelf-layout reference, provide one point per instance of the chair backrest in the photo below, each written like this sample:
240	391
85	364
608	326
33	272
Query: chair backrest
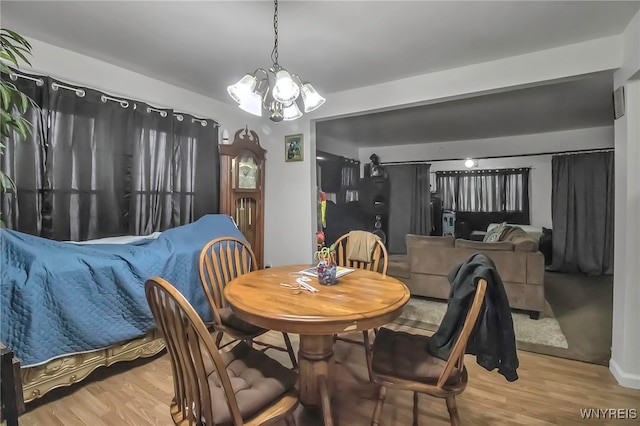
222	260
379	257
189	345
456	358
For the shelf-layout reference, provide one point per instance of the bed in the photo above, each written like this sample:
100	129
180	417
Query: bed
68	308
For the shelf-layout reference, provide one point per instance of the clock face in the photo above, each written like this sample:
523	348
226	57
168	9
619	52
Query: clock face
247	173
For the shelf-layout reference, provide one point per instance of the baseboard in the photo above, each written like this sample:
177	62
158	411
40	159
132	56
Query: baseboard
624	379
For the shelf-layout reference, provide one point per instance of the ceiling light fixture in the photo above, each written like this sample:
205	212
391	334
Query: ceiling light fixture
281	98
470	162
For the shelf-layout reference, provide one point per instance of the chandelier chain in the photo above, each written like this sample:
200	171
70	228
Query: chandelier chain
274	52
278	92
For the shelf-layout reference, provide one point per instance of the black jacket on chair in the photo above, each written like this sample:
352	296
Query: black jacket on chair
493	338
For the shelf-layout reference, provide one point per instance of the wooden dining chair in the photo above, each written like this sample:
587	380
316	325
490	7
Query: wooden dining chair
222	260
402	361
242	386
378	262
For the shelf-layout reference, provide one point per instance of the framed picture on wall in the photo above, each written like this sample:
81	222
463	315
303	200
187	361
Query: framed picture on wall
293	148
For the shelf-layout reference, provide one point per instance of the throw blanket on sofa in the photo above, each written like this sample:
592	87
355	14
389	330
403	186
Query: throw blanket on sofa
60	298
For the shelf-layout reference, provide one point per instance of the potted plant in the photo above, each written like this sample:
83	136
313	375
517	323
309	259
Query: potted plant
14	49
326	256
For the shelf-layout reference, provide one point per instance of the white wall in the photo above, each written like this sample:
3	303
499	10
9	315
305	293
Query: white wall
625	349
339	147
509	148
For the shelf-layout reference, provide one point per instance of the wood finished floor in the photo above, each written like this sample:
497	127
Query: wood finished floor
550	391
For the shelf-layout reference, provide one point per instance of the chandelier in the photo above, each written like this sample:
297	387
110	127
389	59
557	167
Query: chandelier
281	96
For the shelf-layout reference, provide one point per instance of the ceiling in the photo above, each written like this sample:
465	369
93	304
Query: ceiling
204	46
575	104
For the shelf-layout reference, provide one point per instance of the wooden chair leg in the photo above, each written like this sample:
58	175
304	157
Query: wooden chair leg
292	355
290	420
367	352
375	420
415	409
453	411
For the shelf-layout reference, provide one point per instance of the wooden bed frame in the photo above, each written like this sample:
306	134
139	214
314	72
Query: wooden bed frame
70	369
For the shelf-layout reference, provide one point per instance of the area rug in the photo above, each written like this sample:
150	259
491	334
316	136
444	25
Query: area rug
427	314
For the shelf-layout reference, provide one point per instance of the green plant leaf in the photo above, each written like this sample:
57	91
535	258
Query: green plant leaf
25	102
6	183
6	97
8	56
13	49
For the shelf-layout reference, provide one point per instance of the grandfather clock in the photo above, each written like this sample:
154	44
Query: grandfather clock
242	187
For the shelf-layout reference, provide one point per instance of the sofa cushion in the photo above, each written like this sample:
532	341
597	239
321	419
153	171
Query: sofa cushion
412	240
480	245
398	266
520	238
524	244
534	231
493	234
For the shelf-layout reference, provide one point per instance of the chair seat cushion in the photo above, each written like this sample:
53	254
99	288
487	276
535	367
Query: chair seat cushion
230	319
257	380
406	356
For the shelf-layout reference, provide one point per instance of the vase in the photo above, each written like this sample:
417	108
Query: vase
326	273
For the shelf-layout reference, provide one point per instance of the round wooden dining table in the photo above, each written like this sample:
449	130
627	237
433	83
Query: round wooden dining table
360	300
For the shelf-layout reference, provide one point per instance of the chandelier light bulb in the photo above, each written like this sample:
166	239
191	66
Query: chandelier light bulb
469	163
285	90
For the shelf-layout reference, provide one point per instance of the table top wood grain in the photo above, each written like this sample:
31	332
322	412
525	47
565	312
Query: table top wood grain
360	300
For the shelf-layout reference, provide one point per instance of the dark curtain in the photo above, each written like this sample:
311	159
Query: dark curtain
24	162
410	199
98	166
582	212
88	153
196	168
150	206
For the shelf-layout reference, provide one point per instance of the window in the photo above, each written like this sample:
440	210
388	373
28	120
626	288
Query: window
501	190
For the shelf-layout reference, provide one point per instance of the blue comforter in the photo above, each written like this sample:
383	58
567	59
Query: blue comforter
59	298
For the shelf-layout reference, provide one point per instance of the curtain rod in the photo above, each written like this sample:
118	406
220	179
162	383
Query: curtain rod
586	151
579	151
13	75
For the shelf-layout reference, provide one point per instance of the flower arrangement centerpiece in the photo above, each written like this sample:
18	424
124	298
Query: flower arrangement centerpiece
326	257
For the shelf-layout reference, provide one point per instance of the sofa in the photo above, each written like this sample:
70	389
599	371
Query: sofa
425	267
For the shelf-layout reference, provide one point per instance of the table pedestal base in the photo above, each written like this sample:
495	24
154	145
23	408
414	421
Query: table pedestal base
317	365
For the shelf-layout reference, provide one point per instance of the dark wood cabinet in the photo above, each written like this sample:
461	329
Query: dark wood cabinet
242	187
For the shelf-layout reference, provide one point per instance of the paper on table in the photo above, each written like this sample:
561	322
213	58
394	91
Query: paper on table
309	287
340	271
